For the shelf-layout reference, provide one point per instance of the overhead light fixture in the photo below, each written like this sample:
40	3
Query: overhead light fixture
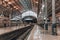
36	2
43	6
44	17
6	0
9	2
14	6
40	12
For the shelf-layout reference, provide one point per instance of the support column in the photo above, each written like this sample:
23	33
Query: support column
38	11
11	16
10	20
54	28
46	16
42	15
21	18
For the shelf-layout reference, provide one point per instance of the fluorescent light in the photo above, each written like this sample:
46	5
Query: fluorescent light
36	2
9	3
40	12
44	18
6	0
43	6
14	6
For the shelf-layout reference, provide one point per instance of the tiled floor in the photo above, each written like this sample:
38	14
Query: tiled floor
38	34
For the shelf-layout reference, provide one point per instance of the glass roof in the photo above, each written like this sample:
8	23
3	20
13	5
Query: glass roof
29	13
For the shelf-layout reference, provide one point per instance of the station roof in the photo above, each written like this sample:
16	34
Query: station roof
22	6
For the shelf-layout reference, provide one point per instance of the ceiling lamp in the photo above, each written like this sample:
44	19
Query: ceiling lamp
40	12
14	6
43	6
9	2
6	0
36	2
44	17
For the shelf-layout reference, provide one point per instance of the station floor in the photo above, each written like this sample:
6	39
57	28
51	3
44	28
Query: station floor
37	33
10	29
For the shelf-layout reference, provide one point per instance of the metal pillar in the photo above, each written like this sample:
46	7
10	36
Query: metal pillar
42	15
54	29
38	10
46	24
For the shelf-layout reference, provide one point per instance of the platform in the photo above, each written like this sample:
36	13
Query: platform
38	34
10	29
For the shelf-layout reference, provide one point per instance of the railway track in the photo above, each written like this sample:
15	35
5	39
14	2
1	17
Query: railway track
20	34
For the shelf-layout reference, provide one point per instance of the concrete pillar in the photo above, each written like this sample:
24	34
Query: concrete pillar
21	18
10	20
38	11
42	15
54	28
10	16
46	16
